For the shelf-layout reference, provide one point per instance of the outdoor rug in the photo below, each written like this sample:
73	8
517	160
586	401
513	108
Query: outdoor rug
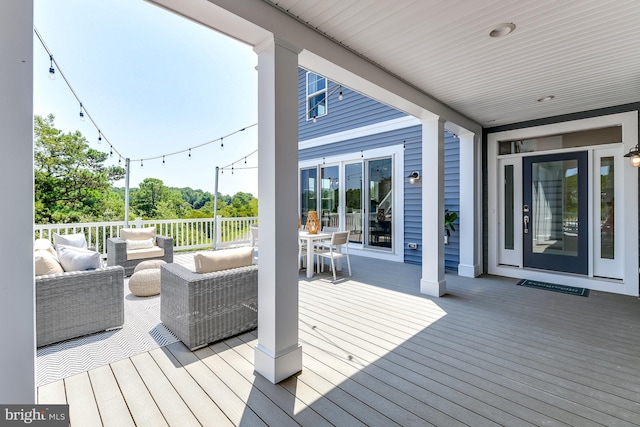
142	332
555	288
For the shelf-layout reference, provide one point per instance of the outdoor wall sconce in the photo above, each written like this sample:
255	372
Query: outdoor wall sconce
415	175
634	156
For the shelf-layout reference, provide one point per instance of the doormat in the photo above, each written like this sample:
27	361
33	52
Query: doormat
582	292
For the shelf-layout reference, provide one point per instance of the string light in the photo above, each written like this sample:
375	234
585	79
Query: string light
100	137
232	169
52	71
245	160
222	143
110	151
340	96
189	152
163	160
81	113
141	163
315	119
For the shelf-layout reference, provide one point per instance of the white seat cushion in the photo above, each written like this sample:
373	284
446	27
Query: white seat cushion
153	252
77	259
46	263
138	233
76	240
208	262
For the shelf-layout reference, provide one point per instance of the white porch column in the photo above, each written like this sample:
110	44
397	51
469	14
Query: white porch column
17	308
432	282
278	354
470	207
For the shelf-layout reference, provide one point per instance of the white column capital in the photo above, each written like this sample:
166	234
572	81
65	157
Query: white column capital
276	41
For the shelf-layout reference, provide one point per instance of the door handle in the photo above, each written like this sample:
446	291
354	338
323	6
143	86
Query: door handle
526	224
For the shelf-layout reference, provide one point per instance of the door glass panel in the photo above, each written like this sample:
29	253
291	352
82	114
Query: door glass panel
380	202
308	185
606	208
508	207
329	190
555	207
353	198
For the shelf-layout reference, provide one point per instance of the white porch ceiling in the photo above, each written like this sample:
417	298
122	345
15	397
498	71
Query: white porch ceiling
586	53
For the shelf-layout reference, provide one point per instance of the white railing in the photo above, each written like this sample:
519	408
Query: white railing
188	234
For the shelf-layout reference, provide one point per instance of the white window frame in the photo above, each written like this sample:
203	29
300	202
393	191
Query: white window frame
314	94
396	152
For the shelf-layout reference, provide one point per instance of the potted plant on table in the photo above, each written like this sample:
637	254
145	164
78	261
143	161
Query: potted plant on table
449	219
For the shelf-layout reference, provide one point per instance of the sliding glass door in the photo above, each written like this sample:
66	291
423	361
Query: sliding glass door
380	200
347	203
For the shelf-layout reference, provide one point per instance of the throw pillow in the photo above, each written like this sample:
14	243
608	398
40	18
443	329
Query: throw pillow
140	244
45	245
45	263
208	262
76	240
138	233
77	259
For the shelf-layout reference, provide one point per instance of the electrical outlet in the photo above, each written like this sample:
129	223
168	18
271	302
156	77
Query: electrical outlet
413	246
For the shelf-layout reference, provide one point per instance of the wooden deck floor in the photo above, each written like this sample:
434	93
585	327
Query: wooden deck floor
378	353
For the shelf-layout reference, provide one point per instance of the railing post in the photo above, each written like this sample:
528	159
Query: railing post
218	233
138	222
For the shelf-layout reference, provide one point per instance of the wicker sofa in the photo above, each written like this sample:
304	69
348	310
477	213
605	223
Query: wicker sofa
201	308
119	254
76	303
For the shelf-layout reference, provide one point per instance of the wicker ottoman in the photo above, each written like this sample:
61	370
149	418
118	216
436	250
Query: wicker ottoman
150	264
145	282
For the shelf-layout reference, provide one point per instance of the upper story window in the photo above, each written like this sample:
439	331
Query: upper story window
316	96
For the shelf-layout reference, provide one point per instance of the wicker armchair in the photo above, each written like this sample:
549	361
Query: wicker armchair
208	307
117	253
76	303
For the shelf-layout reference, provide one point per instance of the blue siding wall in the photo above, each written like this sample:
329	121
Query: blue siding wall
355	111
413	199
352	112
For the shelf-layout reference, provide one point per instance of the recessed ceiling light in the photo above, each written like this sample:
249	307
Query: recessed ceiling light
502	30
546	98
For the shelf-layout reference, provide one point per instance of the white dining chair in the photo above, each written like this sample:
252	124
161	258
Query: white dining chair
333	251
302	253
253	240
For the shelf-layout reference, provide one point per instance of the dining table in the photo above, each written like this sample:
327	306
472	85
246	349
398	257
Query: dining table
311	240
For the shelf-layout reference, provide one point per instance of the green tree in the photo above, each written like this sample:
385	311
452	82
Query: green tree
70	180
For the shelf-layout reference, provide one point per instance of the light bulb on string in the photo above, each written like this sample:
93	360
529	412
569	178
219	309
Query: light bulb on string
111	150
340	96
141	164
232	169
189	152
222	143
99	137
245	160
52	71
120	160
81	113
315	119
163	160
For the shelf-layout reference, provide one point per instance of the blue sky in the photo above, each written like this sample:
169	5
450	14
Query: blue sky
155	83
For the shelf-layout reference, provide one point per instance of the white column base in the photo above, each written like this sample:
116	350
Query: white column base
434	289
279	367
468	270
